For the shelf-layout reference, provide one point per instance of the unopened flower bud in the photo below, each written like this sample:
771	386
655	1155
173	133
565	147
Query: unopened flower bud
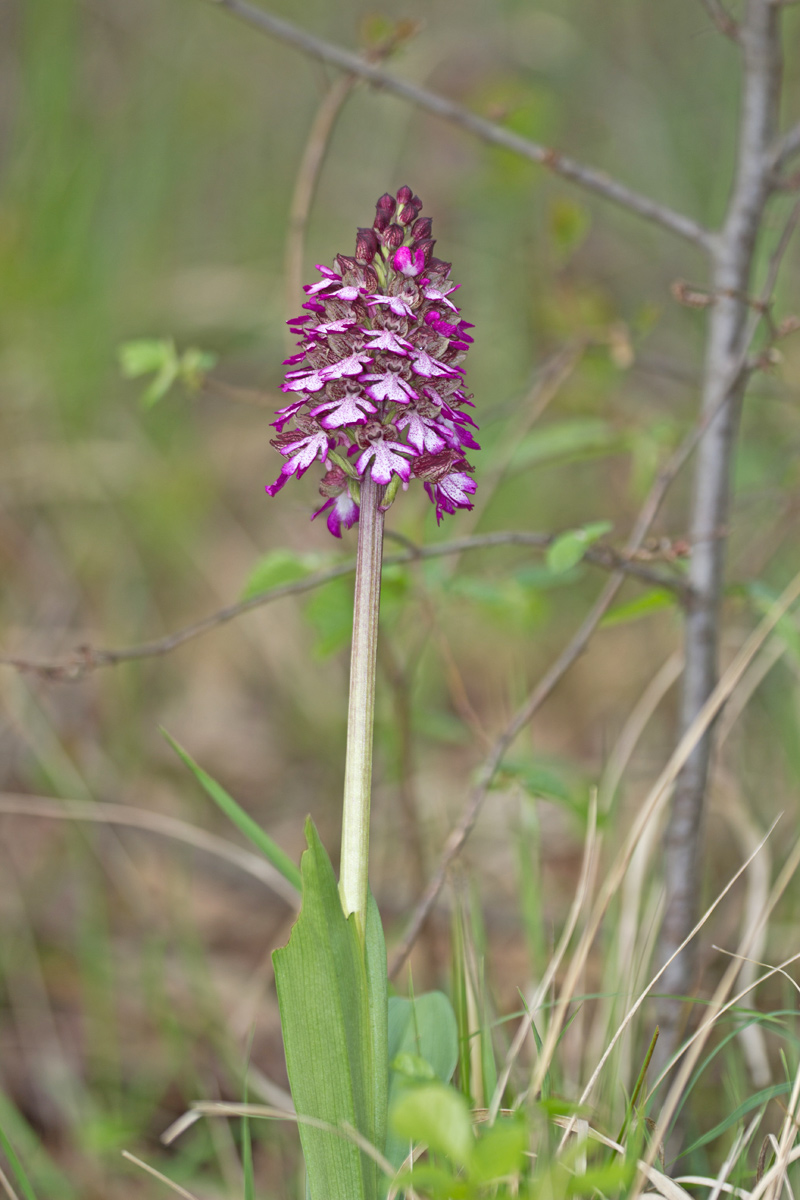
393	236
407	214
366	245
334	483
404	195
426	246
422	228
384	211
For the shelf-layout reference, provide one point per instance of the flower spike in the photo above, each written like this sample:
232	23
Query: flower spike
378	380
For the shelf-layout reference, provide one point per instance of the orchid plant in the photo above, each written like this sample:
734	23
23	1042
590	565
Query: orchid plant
379	400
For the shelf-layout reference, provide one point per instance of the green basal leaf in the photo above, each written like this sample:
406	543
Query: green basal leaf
437	1115
423	1033
500	1151
332	998
242	820
567	550
434	1182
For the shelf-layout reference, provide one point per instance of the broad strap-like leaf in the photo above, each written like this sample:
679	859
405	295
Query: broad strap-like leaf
334	1038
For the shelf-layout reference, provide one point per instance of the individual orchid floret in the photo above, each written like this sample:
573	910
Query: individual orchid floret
377	382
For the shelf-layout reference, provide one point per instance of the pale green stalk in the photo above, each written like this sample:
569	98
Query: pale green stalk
354	868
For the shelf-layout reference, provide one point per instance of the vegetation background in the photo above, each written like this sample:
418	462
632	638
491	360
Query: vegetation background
148	157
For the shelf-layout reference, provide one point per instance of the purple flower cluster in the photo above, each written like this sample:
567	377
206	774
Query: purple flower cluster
381	387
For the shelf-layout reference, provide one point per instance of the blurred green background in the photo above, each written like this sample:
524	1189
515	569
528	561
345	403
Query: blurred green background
148	156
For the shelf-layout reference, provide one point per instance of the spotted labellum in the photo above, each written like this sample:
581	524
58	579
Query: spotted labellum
378	386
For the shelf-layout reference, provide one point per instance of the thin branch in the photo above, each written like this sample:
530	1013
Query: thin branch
463	827
306	182
788	146
86	659
731	326
722	19
586	177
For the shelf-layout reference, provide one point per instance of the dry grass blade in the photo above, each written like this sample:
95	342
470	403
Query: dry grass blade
634	727
267	1111
175	1187
665	1187
151	822
5	1183
691	1050
590	853
587	1091
653	804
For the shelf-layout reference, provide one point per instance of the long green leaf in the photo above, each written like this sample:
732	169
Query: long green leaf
242	820
334	1039
754	1101
16	1166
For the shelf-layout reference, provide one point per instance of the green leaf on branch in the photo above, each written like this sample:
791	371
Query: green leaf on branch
332	998
567	550
159	357
278	568
567	441
656	600
242	820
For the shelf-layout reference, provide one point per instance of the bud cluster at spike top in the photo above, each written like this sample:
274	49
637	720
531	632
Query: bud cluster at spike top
381	385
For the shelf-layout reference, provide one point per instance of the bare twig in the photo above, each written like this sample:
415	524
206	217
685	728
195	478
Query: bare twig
788	146
586	177
87	658
732	325
722	19
463	827
306	182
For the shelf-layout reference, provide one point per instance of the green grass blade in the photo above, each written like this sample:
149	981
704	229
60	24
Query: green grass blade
242	820
17	1168
754	1101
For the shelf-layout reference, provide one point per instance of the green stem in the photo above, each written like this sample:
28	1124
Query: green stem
353	885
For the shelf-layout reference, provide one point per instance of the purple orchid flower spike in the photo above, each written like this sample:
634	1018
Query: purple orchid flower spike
377	383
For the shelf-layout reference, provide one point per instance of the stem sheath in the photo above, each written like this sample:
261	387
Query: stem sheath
353	881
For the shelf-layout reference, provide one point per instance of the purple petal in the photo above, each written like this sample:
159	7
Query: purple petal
350	410
344	512
396	304
429	367
385	462
352	365
384	339
390	387
409	262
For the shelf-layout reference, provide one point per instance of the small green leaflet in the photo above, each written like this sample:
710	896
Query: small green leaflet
159	357
656	600
277	568
567	550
